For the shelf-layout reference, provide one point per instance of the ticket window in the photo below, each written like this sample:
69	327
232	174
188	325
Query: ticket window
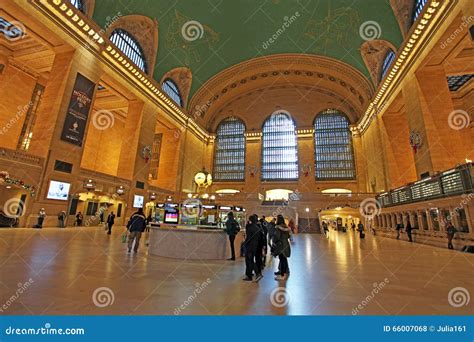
209	215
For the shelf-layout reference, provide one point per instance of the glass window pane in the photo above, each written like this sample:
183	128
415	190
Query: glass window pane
130	47
279	148
333	154
229	157
419	4
387	62
170	88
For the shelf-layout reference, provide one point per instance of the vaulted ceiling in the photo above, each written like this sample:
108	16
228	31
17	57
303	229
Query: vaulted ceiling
229	32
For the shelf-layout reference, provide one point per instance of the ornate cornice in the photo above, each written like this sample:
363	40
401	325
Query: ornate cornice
294	69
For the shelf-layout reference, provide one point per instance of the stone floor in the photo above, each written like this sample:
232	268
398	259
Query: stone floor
332	276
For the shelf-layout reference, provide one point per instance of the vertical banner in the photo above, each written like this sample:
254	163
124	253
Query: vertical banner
78	111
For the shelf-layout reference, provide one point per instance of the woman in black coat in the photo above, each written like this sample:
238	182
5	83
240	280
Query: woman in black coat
281	247
252	242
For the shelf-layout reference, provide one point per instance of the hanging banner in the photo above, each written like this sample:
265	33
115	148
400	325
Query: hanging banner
78	111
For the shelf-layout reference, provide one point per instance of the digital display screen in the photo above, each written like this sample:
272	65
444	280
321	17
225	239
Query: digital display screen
58	190
138	201
171	217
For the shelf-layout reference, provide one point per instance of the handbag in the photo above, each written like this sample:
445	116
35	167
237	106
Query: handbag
124	237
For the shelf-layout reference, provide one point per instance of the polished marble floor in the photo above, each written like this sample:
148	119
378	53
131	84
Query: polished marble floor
86	272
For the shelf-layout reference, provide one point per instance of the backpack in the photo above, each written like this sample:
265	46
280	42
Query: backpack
235	227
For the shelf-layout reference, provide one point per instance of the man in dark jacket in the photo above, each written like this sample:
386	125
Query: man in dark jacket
261	257
450	231
110	222
408	229
232	228
252	240
136	226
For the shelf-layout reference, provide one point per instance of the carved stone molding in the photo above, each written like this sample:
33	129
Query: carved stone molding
289	70
403	10
183	78
145	31
373	53
89	6
340	103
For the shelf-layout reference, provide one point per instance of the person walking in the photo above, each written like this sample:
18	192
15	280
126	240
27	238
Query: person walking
136	226
252	237
360	229
62	219
450	231
408	229
399	229
232	228
110	222
325	229
79	218
281	247
41	217
101	215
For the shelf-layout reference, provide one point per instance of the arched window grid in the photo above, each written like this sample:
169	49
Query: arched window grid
333	150
387	62
79	4
130	47
229	156
418	8
170	88
279	148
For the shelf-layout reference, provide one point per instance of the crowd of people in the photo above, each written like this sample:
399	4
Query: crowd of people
262	236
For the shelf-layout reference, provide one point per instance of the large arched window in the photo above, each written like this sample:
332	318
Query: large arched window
79	4
418	7
229	157
170	88
279	148
333	154
387	62
130	47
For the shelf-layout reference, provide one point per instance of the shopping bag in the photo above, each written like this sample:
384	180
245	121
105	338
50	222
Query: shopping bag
124	238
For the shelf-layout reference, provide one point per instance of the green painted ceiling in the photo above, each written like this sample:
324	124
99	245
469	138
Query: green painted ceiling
238	30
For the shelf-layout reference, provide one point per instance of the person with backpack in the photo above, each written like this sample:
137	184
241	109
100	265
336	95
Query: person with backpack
252	240
232	228
281	248
450	231
136	226
360	229
110	222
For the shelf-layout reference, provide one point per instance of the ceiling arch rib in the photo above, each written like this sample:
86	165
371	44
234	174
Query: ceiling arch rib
307	73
